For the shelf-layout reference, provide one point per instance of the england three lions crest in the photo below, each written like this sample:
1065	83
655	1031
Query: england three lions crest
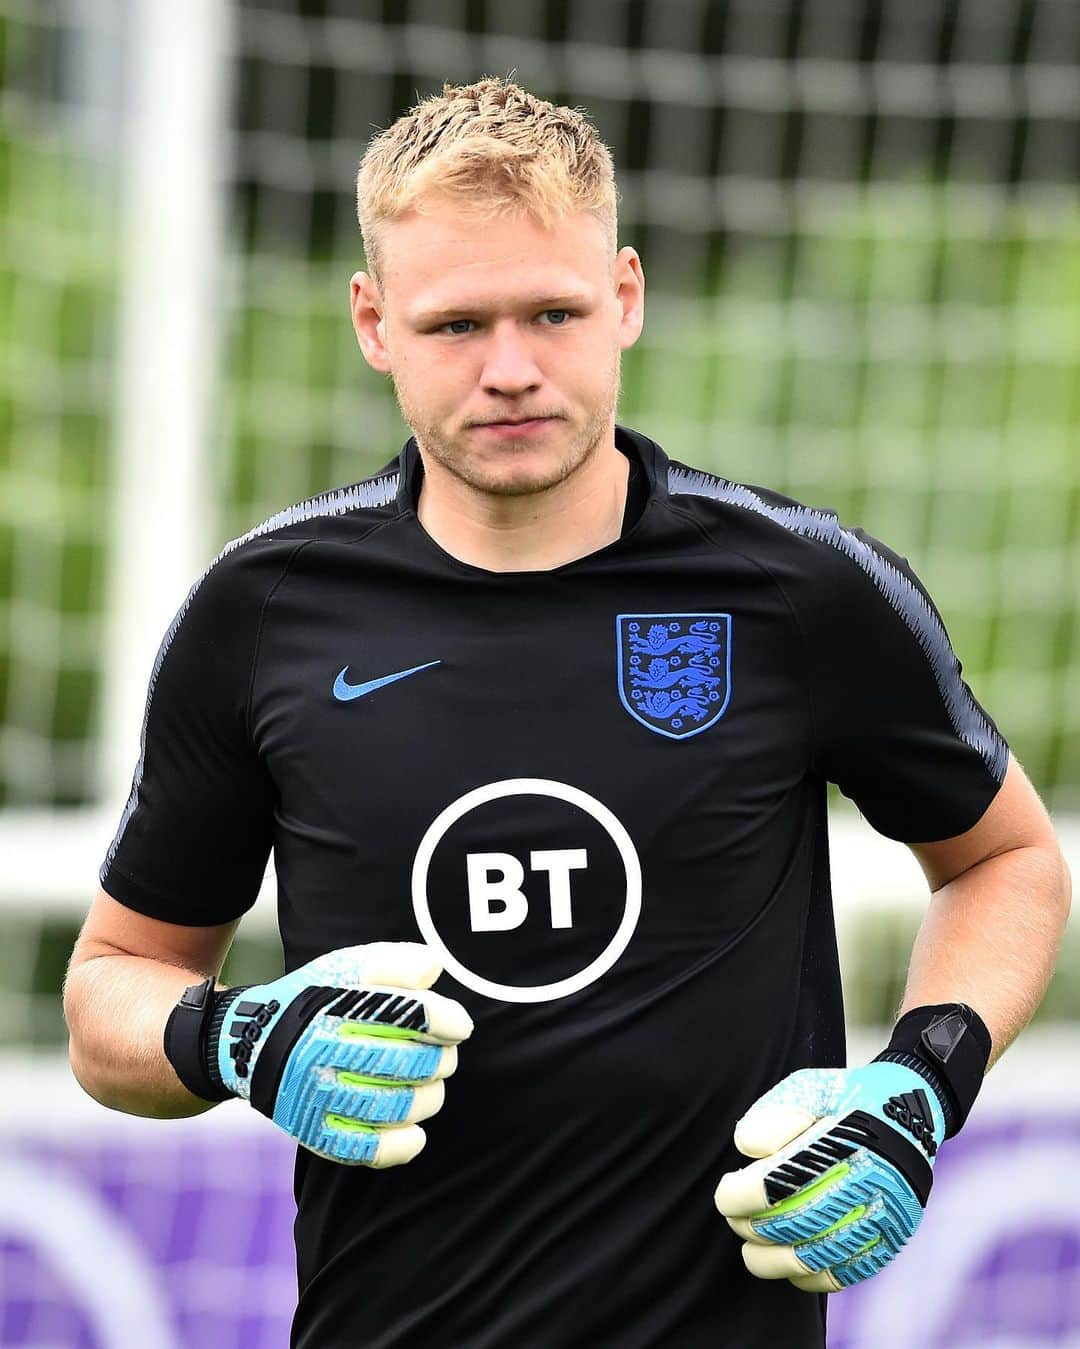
675	670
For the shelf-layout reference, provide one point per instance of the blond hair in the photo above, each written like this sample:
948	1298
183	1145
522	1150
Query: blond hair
493	148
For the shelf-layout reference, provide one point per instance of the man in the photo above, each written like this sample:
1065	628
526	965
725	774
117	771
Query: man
563	711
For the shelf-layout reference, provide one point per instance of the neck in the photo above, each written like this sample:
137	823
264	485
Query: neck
537	532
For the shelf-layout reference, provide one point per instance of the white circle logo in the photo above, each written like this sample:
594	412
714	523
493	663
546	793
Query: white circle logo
617	841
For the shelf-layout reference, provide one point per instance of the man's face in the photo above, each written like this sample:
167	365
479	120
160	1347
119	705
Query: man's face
503	340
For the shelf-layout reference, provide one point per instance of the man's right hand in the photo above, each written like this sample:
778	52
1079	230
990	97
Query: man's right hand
346	1053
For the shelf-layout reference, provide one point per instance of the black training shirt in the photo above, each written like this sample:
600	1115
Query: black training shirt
601	792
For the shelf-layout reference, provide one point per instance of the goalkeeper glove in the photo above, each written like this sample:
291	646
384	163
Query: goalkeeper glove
346	1053
847	1155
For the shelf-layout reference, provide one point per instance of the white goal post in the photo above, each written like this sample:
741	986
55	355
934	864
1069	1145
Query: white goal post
172	265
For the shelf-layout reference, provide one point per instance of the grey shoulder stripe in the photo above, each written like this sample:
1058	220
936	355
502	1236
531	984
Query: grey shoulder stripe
903	595
361	496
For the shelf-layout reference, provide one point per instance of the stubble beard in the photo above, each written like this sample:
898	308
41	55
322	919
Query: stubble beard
451	451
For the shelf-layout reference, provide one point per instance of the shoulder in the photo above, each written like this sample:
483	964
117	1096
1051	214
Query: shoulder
851	592
809	547
344	514
256	560
843	584
222	610
745	510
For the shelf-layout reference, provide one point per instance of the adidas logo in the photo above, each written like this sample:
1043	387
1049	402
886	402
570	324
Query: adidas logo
246	1034
912	1112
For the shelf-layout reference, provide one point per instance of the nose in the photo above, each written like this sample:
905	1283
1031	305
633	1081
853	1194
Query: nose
509	366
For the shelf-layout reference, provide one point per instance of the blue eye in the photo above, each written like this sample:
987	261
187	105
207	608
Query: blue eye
557	323
458	326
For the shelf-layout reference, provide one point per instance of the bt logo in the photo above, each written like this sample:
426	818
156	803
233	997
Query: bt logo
496	877
511	914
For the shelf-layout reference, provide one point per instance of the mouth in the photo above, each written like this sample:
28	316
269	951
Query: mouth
515	426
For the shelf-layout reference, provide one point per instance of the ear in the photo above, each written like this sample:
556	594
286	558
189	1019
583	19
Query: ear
366	304
629	278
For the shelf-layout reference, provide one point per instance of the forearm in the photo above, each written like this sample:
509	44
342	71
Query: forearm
116	1008
990	938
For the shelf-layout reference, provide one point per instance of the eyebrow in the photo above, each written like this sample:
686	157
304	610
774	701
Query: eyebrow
424	318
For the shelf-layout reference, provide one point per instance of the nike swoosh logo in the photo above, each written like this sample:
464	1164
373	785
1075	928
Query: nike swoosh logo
345	692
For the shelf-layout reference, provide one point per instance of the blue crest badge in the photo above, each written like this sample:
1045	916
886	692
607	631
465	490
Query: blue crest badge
675	670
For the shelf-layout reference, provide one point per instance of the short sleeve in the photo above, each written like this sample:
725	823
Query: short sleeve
896	726
196	832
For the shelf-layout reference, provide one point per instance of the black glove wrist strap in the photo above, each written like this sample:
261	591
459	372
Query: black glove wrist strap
949	1045
191	1038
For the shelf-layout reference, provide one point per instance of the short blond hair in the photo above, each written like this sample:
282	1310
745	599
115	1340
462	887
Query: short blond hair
493	148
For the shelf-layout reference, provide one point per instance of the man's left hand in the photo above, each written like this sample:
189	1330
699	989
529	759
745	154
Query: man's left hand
845	1169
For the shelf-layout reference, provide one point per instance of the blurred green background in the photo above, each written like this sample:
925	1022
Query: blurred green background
873	307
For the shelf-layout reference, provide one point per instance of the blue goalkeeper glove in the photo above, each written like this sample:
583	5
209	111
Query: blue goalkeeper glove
846	1156
346	1054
